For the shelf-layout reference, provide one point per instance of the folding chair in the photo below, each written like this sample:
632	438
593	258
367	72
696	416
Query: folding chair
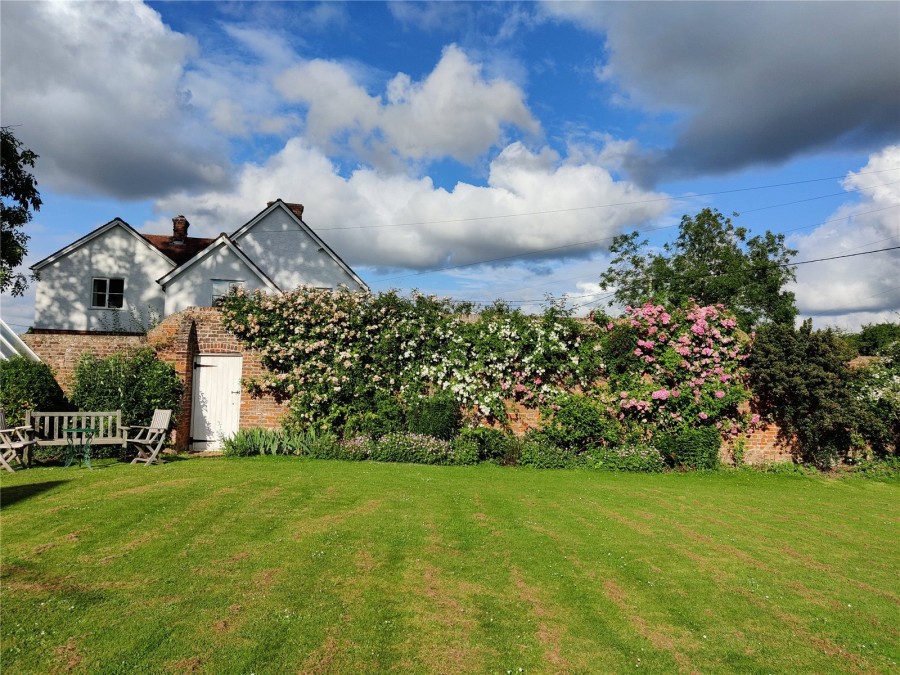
149	440
14	442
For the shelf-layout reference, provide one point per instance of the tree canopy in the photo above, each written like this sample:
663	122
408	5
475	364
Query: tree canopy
711	261
20	197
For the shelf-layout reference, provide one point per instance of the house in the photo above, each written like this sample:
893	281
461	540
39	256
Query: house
116	279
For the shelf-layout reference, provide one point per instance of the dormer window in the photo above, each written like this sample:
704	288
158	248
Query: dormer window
107	293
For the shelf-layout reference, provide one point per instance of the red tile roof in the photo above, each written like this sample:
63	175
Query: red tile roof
179	253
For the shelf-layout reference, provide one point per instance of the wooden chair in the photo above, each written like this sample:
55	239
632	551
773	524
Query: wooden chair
149	440
14	443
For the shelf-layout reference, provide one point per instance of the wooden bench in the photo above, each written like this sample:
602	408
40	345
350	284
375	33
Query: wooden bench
48	426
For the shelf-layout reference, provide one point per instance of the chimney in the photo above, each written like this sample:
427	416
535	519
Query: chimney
296	208
180	227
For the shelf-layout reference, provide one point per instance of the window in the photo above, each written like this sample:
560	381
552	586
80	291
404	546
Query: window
222	287
108	293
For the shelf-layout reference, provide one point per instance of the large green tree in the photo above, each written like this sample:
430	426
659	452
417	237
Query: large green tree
20	197
711	261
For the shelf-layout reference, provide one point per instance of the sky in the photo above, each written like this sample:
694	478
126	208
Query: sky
481	150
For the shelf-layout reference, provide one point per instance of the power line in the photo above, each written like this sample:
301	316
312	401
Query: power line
812	199
597	241
604	206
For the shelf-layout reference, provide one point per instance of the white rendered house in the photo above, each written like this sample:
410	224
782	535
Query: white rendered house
115	277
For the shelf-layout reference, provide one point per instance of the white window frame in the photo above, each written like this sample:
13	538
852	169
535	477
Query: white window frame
106	293
231	285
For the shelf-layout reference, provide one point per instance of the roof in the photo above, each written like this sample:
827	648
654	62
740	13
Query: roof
220	241
12	345
178	253
278	203
115	222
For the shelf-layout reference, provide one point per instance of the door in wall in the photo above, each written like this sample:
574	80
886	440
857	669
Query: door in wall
216	400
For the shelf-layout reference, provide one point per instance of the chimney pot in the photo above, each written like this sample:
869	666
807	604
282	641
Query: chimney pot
180	227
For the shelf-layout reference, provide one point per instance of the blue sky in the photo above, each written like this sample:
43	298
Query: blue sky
417	134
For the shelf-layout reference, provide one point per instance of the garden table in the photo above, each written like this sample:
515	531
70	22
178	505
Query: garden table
86	434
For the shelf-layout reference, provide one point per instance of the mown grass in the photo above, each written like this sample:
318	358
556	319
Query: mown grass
271	565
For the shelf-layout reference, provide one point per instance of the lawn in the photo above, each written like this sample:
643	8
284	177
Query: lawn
271	565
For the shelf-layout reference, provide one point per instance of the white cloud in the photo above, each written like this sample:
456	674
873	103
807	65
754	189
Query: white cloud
520	182
454	112
851	292
97	89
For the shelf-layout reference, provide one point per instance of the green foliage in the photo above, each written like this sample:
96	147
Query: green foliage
302	443
881	468
877	339
695	448
28	385
19	196
803	381
711	262
135	382
255	441
539	452
876	390
632	457
415	449
490	445
579	422
437	415
384	414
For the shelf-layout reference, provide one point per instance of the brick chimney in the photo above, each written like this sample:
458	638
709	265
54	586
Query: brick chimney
296	208
180	227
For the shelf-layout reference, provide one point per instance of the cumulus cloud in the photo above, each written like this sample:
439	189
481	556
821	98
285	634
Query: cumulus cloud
851	292
96	89
751	83
454	112
396	221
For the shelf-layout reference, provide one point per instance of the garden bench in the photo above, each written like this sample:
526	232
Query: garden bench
49	427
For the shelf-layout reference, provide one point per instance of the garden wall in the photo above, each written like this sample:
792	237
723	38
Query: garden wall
176	340
180	337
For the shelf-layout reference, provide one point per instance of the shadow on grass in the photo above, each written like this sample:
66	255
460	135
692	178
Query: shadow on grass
16	493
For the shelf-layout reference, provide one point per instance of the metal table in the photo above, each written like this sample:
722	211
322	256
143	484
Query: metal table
84	445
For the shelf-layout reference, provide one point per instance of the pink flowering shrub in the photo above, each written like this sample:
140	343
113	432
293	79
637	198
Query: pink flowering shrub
673	369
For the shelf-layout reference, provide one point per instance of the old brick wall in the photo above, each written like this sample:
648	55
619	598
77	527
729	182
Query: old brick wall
61	351
199	330
176	340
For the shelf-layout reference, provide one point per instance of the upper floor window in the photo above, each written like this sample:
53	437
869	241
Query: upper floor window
107	293
222	287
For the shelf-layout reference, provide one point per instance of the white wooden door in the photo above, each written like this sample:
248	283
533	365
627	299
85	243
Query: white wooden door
216	406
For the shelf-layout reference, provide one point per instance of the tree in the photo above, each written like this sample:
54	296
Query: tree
802	379
711	261
19	198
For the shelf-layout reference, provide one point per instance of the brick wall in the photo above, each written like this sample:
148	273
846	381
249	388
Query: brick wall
176	340
199	330
62	351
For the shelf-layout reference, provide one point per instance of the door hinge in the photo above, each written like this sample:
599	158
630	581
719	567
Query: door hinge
204	365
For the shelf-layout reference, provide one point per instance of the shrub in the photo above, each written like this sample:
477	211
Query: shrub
135	382
578	422
630	457
691	448
803	381
357	448
28	385
415	449
539	452
490	445
437	415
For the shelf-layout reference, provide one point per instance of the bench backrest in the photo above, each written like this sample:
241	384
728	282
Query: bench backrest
48	426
